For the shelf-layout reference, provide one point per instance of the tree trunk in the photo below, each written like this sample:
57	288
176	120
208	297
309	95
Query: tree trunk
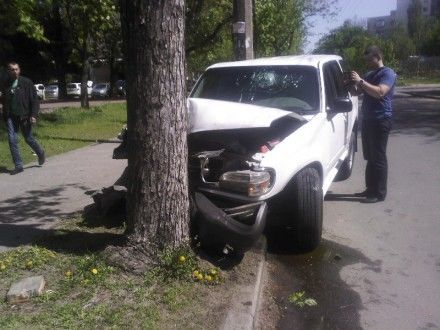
85	73
58	49
84	79
157	200
111	63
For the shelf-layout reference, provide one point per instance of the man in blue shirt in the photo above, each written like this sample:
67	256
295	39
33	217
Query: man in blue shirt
378	89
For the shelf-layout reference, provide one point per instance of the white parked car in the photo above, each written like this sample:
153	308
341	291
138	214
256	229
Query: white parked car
40	91
74	89
267	138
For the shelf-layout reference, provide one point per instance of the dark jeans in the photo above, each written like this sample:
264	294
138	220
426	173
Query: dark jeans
374	144
13	124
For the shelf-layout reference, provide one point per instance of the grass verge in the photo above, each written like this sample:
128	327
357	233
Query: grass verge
406	81
83	291
67	129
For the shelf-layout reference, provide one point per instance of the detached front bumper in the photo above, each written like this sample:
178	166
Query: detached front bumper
233	229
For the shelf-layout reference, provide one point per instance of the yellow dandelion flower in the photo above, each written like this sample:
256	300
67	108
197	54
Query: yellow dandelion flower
208	278
94	271
195	273
68	273
213	272
2	267
200	277
182	259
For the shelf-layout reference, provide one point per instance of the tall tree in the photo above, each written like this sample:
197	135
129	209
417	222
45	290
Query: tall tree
157	199
208	33
87	19
350	42
280	25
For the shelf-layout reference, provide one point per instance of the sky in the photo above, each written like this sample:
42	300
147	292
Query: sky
347	9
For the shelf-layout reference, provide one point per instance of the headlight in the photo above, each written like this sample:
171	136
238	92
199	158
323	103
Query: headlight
247	182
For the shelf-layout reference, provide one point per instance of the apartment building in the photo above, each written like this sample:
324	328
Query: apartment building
382	24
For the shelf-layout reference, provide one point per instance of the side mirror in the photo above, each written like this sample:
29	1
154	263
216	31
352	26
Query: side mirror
340	105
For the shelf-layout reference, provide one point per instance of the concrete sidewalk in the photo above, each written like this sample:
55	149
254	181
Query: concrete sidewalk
33	201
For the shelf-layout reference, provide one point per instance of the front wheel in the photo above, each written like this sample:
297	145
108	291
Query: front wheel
307	209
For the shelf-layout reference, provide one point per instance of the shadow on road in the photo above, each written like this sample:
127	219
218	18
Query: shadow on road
35	204
424	93
331	197
18	213
417	113
319	275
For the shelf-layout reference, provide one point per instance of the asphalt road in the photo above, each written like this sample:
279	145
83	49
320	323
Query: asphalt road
378	266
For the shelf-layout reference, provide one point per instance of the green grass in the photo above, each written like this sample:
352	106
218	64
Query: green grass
67	129
84	291
406	81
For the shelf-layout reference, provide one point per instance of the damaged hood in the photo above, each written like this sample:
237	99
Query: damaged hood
210	115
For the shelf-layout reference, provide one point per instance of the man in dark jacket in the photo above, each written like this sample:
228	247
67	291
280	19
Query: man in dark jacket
20	111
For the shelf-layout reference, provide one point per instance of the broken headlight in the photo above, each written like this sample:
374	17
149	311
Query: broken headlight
251	183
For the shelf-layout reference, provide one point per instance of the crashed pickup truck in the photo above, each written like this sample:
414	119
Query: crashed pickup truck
267	138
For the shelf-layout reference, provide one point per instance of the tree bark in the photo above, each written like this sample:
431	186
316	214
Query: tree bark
157	199
59	49
85	73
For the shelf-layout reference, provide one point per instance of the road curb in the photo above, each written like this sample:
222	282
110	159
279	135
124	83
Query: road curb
243	310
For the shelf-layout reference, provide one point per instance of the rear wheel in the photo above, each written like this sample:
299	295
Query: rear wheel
307	209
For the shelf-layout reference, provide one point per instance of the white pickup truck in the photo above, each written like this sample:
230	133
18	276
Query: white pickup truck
267	138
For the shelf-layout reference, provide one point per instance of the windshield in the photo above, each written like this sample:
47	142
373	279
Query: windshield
71	86
52	87
293	88
100	86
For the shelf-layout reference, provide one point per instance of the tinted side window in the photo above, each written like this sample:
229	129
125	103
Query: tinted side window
338	78
329	84
333	80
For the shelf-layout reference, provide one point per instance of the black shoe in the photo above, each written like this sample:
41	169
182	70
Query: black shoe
370	200
16	170
41	159
365	193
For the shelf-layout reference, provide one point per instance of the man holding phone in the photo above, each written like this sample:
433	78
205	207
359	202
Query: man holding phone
20	111
378	89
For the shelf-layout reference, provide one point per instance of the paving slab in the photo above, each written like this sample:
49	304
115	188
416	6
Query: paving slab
25	289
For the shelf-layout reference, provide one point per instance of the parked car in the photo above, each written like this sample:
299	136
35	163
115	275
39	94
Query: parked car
74	89
120	89
101	90
40	91
51	91
267	137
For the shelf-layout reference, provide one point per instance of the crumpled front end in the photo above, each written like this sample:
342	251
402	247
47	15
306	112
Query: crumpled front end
227	182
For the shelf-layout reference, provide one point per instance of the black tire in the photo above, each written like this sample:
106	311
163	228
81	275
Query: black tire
347	166
307	209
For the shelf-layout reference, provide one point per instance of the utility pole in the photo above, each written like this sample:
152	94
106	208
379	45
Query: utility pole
242	30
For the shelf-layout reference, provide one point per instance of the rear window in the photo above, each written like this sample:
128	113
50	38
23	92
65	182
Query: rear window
71	86
52	87
293	88
100	86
